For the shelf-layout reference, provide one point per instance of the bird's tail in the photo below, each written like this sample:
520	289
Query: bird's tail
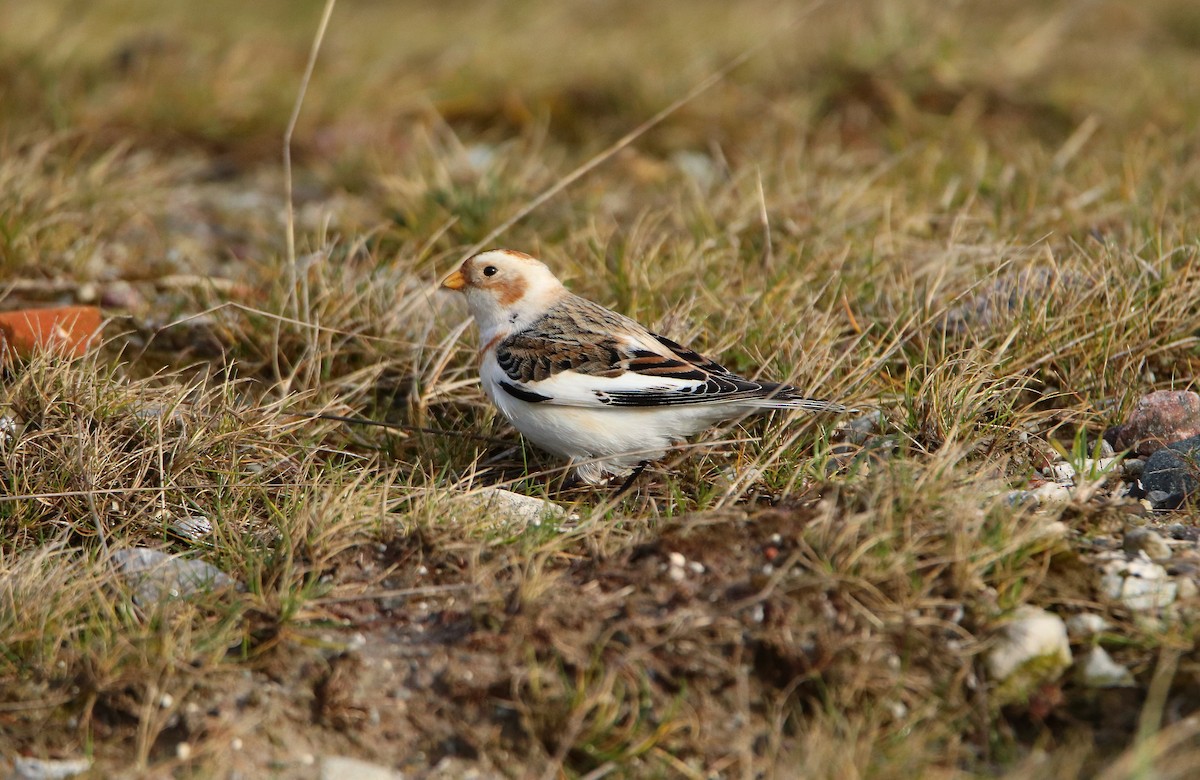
785	397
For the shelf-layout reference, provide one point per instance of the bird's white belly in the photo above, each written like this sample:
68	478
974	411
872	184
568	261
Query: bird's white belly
602	440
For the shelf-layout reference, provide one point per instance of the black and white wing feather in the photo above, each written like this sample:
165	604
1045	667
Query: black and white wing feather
581	354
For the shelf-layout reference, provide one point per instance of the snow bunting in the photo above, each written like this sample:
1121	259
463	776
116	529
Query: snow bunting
592	385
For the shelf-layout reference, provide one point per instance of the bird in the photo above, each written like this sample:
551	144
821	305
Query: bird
591	385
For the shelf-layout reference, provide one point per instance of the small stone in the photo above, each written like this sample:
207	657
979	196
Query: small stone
1086	624
1052	494
863	427
1099	670
1031	650
1175	471
156	576
507	506
1184	533
183	751
192	528
1140	585
1158	419
675	566
48	769
345	768
1133	468
1021	498
1063	473
1145	540
1158	499
1186	588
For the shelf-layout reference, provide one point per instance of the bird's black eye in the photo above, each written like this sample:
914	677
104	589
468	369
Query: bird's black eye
489	270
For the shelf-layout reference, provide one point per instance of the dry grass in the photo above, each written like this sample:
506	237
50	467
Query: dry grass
979	221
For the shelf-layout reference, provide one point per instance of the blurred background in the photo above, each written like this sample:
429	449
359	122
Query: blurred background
412	99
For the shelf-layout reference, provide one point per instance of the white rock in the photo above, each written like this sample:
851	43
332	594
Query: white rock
1101	671
1103	466
675	566
507	506
48	769
1063	473
1139	584
1030	650
344	768
8	426
1086	624
191	527
1051	494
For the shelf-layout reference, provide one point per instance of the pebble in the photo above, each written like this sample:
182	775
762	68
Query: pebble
48	769
1186	533
1145	540
507	506
1086	624
863	427
675	566
1140	585
1061	472
1159	418
345	768
1051	494
156	576
8	426
1099	670
1133	468
1172	471
193	528
1021	498
1031	649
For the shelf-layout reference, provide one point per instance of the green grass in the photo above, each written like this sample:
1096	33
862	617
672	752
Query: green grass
979	221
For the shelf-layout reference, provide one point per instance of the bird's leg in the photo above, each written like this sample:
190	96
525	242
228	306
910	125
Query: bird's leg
633	475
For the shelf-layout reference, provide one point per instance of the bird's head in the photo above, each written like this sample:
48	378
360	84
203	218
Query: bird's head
505	288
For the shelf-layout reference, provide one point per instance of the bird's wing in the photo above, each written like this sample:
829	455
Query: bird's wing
581	354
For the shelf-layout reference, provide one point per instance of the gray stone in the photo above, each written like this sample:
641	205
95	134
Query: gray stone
1186	533
510	507
1174	471
192	528
156	575
1145	540
863	427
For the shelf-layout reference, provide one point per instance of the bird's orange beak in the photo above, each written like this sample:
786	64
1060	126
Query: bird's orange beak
455	281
